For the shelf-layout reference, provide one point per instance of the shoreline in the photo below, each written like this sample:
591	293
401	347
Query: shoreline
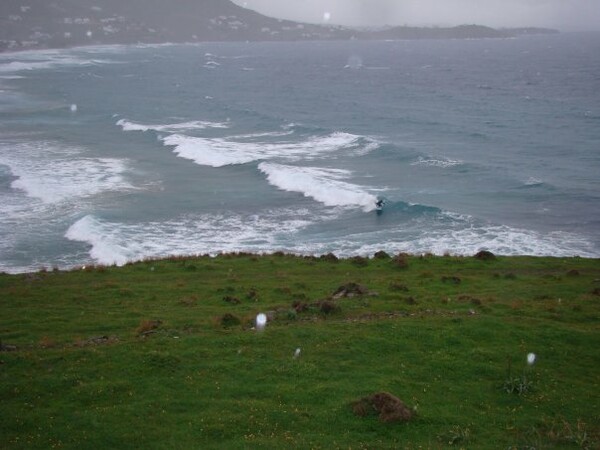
331	257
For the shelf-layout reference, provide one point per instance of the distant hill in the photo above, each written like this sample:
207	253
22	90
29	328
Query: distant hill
28	24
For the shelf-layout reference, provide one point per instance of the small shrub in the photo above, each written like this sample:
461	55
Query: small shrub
229	320
329	257
485	255
400	261
517	384
252	294
411	301
398	287
328	307
452	280
292	314
359	261
381	255
457	435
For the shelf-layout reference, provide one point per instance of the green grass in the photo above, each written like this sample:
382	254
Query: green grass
438	333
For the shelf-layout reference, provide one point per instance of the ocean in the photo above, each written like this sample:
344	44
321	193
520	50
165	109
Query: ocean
121	153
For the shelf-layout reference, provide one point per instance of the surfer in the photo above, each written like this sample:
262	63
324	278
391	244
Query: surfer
379	204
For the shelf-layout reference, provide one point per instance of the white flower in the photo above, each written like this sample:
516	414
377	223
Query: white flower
530	358
297	353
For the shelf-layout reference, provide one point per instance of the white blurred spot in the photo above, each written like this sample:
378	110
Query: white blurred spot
73	107
297	353
354	62
530	358
326	16
261	321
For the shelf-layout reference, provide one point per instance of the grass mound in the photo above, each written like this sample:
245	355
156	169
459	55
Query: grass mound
386	406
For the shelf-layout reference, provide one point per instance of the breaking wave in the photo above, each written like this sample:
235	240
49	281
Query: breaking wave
219	152
119	243
323	185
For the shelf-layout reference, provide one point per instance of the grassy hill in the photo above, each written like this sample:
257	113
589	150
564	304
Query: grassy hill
164	354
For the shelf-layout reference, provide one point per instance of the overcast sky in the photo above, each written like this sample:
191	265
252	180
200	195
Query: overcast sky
566	15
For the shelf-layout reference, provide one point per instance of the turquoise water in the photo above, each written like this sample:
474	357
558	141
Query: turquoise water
114	154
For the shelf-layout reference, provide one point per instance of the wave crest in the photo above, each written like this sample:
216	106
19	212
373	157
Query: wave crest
323	185
175	127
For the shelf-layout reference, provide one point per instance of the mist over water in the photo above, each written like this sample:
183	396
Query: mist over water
573	15
483	144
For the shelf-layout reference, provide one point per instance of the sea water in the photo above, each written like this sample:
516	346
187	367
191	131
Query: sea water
120	153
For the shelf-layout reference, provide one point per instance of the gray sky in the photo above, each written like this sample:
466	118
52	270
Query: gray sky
566	15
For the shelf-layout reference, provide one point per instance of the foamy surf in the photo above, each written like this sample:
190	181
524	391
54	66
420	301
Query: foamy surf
323	185
499	239
219	152
52	174
119	243
43	60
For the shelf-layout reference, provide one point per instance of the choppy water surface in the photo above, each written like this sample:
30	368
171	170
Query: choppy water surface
114	154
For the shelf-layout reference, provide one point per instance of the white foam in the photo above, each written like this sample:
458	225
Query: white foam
30	61
53	174
436	162
499	239
220	152
175	127
212	152
533	181
119	243
323	185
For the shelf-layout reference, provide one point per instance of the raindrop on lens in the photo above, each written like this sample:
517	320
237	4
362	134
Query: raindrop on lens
261	321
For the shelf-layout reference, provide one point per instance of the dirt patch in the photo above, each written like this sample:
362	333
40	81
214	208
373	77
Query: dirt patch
452	280
351	290
7	347
386	406
147	327
96	340
231	300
